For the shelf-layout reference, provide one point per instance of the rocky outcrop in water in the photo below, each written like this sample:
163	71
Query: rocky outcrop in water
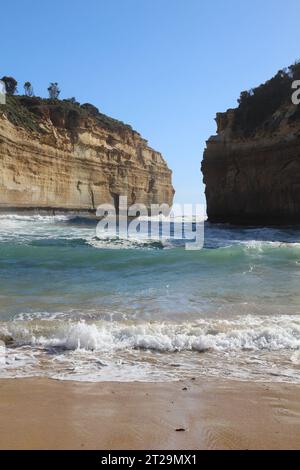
251	167
60	155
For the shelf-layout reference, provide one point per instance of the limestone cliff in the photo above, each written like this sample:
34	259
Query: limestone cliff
251	167
60	155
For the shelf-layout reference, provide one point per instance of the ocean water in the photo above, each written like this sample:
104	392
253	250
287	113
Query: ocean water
76	307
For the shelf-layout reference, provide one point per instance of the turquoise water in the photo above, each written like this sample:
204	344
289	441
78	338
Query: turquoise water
76	307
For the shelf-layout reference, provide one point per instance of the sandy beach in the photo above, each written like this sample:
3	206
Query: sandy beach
196	414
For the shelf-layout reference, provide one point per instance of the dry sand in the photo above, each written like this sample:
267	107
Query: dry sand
216	414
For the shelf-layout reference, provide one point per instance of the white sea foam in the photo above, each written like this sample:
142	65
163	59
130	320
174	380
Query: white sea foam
243	347
34	218
249	333
117	243
259	245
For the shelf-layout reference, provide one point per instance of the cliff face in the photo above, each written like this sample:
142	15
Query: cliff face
251	167
60	155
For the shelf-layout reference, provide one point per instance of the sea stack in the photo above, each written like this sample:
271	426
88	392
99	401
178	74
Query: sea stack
60	155
251	168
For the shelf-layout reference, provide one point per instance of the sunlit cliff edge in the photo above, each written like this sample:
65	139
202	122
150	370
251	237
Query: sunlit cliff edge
60	155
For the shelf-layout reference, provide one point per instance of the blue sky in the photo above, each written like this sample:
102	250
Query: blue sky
164	66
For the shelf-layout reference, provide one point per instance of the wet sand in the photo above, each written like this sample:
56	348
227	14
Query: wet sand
215	414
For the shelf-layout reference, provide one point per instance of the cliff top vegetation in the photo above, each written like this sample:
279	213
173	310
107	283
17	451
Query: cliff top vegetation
29	111
259	104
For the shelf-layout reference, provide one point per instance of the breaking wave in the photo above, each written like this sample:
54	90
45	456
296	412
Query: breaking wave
245	333
262	349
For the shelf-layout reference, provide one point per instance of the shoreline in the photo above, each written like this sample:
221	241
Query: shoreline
89	213
210	414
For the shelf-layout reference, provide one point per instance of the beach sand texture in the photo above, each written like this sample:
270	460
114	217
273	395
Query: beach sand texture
212	414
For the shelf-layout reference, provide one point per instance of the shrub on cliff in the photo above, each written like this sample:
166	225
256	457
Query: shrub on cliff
90	108
53	91
72	101
28	89
10	85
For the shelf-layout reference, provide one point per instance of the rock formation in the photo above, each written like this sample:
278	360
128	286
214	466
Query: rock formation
251	167
60	155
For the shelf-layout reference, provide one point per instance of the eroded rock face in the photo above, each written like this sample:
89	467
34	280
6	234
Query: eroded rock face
71	160
252	175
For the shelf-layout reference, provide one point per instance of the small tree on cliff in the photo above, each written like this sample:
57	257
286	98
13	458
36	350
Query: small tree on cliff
28	88
53	91
10	85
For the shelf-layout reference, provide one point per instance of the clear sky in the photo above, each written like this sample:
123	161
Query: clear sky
164	66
